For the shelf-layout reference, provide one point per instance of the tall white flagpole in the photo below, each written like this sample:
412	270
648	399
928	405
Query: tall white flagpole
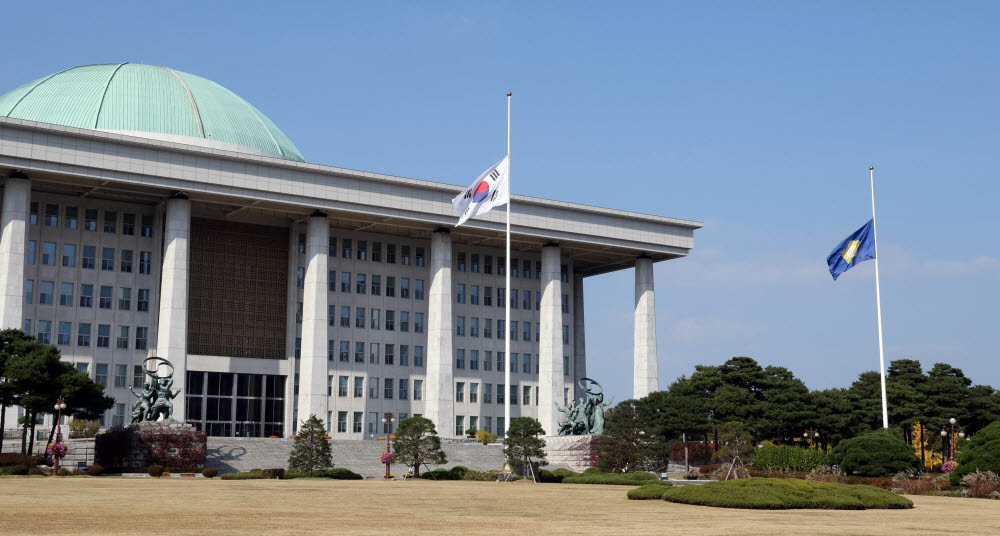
506	326
878	302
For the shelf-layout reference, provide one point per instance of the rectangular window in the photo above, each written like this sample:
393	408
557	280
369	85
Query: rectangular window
473	393
460	326
404	389
538	269
418	389
101	373
66	294
460	293
329	386
513	330
147	226
108	259
538	301
488	328
45	292
460	262
362	250
475	263
390	320
300	277
298	312
124	299
404	355
500	297
32	246
390	253
359	352
565	365
373	387
110	221
48	253
404	321
137	376
474	359
500	361
342	386
488	264
418	356
29	291
44	331
526	269
565	303
359	317
105	301
526	394
359	387
122	341
513	272
69	255
376	251
358	422
404	287
375	322
390	354
500	330
128	224
345	351
346	249
488	360
145	262
330	349
404	255
104	341
418	289
420	257
33	217
90	219
527	364
487	393
387	385
526	332
142	301
460	358
331	281
474	295
361	280
126	265
376	285
341	422
460	392
501	394
345	282
488	296
513	362
563	274
526	300
513	298
418	322
332	249
390	286
473	327
121	375
65	334
565	334
501	265
513	394
87	261
345	316
51	215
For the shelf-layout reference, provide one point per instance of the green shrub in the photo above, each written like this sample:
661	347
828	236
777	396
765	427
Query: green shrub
876	453
555	476
14	458
785	493
83	428
37	471
341	473
442	474
620	479
786	458
20	469
155	471
65	471
210	472
593	471
94	470
648	492
485	437
275	473
459	471
981	454
482	476
254	475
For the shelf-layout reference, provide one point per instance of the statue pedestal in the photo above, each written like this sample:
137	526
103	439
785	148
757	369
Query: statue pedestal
575	453
166	443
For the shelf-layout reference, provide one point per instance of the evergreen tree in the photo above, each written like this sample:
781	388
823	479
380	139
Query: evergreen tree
833	415
13	342
865	396
34	372
626	445
311	450
671	414
904	385
786	408
522	443
417	443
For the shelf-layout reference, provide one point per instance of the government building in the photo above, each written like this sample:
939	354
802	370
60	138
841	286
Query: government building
151	212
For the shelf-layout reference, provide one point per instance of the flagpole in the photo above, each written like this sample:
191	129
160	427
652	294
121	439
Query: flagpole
878	302
506	326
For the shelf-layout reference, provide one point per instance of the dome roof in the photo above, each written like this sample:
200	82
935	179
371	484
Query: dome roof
152	102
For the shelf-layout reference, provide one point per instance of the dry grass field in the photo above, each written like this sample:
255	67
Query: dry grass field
106	506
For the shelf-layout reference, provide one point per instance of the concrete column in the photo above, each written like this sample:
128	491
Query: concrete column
313	368
171	332
439	400
550	372
16	196
644	379
579	335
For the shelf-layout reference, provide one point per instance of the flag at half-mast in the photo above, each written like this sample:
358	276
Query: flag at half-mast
491	189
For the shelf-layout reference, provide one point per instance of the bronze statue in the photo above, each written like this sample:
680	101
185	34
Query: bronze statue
154	401
142	407
585	416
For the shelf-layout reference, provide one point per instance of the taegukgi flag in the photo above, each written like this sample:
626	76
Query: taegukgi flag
491	189
860	246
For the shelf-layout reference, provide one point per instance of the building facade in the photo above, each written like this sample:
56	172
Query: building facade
148	212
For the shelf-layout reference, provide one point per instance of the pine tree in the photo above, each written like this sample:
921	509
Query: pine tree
417	443
522	442
626	444
311	450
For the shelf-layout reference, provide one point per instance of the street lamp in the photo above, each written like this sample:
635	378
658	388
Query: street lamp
811	435
945	433
388	419
59	406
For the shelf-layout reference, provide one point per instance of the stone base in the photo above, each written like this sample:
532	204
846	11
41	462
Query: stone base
575	453
166	443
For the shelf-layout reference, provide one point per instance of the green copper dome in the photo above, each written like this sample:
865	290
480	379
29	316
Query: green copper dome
154	102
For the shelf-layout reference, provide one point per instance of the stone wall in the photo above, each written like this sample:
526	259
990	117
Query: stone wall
575	453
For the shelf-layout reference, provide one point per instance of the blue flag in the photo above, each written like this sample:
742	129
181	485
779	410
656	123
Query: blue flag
858	247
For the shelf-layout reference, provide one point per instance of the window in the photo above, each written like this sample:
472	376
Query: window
345	282
473	393
501	266
358	426
405	255
361	279
487	328
90	219
331	281
29	291
45	290
101	373
346	249
376	285
474	295
121	373
474	360
65	334
122	341
359	317
487	393
527	364
563	273
404	355
538	301
390	286
66	294
513	298
488	264
390	351
513	330
513	272
31	251
526	395
147	226
488	360
342	386
359	352
513	362
500	361
526	269
460	392
345	316
105	301
142	301
404	287
418	357
345	351
390	253
460	262
404	321
69	255
300	277
565	334
51	215
33	218
420	256
128	224
137	375
565	303
475	263
108	259
375	323
418	389
87	261
460	293
513	394
48	253
460	358
500	297
390	320
538	332
500	329
298	353
104	340
565	365
488	296
332	249
359	387
341	421
404	389
373	386
145	262
473	327
418	289
362	250
376	251
501	394
387	385
526	332
110	220
124	299
526	300
418	322
126	265
44	331
460	326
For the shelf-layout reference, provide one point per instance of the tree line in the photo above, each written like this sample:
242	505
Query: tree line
33	377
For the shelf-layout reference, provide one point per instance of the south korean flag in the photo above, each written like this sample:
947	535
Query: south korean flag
491	189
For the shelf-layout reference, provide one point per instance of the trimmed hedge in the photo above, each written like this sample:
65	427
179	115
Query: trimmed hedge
786	458
258	475
785	493
210	472
94	470
875	453
338	473
555	476
618	479
10	459
981	454
649	492
455	473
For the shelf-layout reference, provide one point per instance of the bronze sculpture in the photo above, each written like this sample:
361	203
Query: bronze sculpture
585	416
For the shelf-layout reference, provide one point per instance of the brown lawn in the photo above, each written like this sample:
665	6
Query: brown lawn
110	505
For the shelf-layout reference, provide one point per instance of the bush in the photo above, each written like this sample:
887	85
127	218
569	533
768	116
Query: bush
210	472
780	494
555	476
648	492
19	469
709	469
485	437
916	486
619	479
13	458
83	428
66	471
442	474
341	473
253	475
981	454
876	453
94	470
786	458
155	471
37	471
982	484
697	451
276	473
482	476
459	471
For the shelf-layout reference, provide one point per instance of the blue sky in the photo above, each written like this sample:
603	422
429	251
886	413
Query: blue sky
758	119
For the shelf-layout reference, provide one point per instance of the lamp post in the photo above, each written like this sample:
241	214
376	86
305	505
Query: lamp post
59	406
388	419
945	433
811	435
